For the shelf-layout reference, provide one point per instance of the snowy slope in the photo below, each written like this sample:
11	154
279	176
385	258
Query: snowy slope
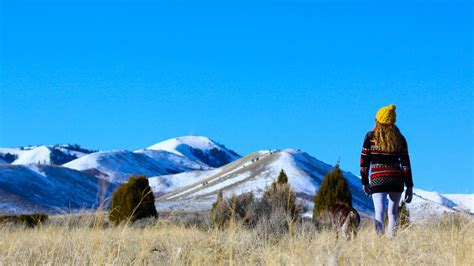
117	166
26	155
50	189
198	148
53	154
176	163
38	155
198	190
169	183
463	202
427	203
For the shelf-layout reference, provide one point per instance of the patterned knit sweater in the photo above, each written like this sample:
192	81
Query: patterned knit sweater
389	171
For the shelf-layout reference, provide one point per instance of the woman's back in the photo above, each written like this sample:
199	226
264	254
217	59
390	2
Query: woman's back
390	169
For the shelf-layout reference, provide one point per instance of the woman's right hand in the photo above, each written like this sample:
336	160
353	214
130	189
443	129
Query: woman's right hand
409	194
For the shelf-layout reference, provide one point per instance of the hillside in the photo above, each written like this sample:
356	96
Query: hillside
169	157
50	189
117	166
255	172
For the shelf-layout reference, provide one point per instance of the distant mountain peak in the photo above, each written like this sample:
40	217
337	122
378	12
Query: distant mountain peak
198	148
57	154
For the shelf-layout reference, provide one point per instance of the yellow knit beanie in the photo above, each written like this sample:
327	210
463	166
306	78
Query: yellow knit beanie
386	115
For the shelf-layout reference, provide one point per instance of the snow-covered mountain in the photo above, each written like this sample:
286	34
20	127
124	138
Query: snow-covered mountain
118	166
49	189
255	172
53	154
198	148
186	174
169	157
427	203
30	183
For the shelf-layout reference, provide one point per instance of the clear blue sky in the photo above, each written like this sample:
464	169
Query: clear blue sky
249	74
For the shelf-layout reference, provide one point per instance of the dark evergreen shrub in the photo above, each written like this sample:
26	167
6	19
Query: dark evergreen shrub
282	178
132	201
334	188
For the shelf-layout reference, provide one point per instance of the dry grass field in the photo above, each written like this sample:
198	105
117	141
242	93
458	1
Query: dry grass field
79	240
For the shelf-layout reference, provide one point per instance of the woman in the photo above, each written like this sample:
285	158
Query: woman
385	152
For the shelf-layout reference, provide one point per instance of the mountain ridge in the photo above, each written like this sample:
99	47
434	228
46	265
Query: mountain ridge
255	172
57	154
50	189
182	178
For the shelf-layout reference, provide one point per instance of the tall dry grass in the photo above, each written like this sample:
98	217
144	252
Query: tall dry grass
84	239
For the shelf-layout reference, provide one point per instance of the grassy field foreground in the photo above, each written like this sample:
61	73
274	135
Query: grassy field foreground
445	241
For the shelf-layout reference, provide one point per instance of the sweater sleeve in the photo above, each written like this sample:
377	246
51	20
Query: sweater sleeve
405	163
365	160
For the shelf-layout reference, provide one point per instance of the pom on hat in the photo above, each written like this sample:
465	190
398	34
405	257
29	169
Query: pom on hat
386	115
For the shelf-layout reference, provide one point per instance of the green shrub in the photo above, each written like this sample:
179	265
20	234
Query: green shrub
240	206
199	221
334	188
281	196
132	201
278	202
234	209
273	225
30	220
219	211
276	212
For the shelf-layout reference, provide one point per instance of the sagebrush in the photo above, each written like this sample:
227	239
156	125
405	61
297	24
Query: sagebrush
445	240
29	220
275	211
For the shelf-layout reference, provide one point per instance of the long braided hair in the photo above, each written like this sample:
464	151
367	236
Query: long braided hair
388	137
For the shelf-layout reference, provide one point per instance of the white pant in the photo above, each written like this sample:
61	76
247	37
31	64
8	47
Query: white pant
380	201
